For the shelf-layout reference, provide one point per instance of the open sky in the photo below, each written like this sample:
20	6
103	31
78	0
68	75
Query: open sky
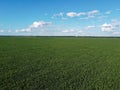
60	17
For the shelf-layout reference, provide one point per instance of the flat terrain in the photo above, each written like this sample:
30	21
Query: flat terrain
59	63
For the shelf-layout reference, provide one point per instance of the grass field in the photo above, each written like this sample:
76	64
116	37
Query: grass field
59	63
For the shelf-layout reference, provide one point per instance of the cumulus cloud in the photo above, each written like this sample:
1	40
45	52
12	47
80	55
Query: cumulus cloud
90	27
116	33
39	24
68	31
74	14
114	26
80	33
24	30
89	14
65	31
75	32
61	14
35	25
107	27
93	13
81	13
1	31
9	31
116	23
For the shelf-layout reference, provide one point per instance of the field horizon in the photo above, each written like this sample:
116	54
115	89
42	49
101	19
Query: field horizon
60	36
59	45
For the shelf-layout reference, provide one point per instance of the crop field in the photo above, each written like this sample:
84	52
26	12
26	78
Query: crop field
59	63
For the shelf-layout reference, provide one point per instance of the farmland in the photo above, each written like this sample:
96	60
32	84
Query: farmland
59	63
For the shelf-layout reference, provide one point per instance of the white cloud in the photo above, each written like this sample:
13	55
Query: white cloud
93	13
116	33
89	14
90	27
75	32
35	25
24	30
17	31
81	13
1	31
80	33
65	31
9	31
68	31
39	24
113	27
74	14
107	27
116	23
61	14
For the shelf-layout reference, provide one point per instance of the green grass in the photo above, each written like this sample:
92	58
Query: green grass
59	63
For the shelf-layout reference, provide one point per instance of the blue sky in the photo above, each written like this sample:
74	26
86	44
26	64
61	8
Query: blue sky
60	17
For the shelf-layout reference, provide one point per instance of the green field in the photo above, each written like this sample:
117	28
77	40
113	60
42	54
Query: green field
59	63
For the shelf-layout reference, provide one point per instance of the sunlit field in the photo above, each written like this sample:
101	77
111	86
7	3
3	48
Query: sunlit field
59	63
